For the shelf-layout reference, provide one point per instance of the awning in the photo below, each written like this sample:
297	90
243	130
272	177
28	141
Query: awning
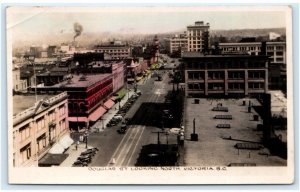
52	159
66	141
108	104
79	119
97	114
57	149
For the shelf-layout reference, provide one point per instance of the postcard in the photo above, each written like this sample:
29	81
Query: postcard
150	95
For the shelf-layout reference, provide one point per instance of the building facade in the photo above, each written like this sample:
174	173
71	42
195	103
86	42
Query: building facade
38	128
117	51
19	85
88	98
118	71
198	37
277	55
177	43
224	75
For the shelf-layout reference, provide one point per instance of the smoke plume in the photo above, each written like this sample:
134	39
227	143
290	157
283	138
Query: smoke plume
77	29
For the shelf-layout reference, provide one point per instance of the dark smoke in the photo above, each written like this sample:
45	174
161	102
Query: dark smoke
77	29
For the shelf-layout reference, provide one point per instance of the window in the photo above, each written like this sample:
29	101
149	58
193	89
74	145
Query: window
256	75
279	47
62	125
62	110
25	153
216	86
24	132
279	59
256	86
217	75
235	75
51	116
40	123
41	142
279	53
236	86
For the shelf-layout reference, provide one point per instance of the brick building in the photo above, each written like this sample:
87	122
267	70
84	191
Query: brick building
225	75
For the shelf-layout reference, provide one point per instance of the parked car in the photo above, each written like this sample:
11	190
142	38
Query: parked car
138	92
88	152
94	149
84	159
79	163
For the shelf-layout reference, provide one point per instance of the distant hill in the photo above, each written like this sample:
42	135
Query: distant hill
247	32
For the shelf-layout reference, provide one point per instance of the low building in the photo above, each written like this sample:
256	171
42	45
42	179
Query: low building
36	129
19	85
116	50
225	75
177	43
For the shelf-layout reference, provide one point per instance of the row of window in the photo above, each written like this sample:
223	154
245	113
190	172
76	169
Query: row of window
25	152
225	65
114	50
221	86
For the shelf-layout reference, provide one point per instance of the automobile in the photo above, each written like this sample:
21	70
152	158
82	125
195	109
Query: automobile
123	128
138	92
84	159
79	163
93	149
88	152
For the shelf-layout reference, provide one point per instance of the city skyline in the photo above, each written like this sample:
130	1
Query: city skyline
54	21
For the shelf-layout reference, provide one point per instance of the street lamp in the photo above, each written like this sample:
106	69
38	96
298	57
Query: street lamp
86	138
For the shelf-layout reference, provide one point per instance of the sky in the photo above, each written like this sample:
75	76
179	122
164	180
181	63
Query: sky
38	21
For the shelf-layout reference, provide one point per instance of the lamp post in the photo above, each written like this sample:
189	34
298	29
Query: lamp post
86	138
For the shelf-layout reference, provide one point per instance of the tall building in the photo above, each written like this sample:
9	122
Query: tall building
36	129
198	37
156	49
225	75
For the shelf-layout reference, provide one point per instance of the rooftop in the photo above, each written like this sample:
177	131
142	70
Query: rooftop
83	81
216	145
23	110
201	55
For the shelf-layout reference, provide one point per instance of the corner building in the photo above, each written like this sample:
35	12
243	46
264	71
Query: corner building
225	75
38	128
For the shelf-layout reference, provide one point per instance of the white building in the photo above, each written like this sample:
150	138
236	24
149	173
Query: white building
18	83
198	36
38	128
178	42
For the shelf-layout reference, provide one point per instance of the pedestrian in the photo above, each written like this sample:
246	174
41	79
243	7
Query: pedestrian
76	146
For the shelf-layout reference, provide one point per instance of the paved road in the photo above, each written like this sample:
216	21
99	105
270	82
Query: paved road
125	148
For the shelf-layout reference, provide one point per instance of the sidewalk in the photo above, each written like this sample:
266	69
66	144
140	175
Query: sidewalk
73	154
100	125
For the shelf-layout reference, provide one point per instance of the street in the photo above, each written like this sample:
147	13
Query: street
124	149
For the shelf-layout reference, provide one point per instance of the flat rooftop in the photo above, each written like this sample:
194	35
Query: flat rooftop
194	54
212	149
77	80
23	102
